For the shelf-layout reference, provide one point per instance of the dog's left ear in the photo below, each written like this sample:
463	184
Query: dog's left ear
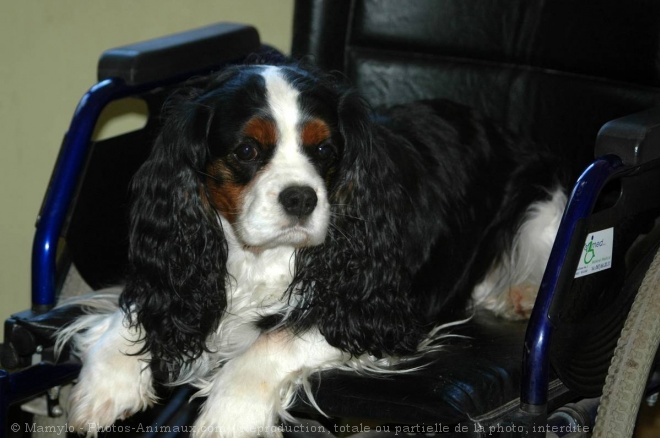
355	286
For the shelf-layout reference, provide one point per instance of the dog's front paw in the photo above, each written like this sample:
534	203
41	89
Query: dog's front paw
521	299
237	416
103	395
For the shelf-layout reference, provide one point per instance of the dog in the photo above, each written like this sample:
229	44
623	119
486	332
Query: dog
281	227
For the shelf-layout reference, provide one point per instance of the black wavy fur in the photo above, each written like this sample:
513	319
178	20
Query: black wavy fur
424	198
430	196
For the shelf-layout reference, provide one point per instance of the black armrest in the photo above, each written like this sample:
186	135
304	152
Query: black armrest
27	333
183	54
635	138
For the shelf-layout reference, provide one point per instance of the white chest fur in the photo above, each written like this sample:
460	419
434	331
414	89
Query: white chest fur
256	285
258	279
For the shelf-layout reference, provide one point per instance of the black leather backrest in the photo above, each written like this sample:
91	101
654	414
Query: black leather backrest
554	70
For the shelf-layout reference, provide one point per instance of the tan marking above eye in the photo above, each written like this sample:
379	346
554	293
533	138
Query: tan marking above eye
262	130
314	132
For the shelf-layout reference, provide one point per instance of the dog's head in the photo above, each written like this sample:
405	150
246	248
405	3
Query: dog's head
274	150
259	152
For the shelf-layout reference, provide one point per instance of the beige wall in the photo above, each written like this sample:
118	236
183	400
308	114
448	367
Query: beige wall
48	54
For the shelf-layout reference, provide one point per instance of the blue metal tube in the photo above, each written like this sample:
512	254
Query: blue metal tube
23	384
62	188
535	367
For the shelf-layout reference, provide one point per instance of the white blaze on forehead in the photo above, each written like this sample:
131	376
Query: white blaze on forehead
283	104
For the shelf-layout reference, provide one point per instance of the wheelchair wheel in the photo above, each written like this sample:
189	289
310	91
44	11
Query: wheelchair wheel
633	358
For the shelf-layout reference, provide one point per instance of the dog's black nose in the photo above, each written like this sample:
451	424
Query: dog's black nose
298	201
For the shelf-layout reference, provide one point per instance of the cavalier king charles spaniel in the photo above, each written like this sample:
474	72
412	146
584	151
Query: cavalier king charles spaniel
280	228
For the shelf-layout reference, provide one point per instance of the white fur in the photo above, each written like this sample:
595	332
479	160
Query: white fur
115	382
250	391
510	287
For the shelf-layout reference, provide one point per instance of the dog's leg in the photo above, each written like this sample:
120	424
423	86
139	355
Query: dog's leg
115	381
510	288
247	393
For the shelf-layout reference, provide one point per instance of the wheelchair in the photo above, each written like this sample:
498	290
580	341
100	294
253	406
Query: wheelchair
569	75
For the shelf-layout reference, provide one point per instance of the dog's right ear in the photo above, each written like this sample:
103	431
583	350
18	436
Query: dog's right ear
176	282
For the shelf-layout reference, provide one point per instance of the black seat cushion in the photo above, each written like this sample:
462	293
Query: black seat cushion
471	377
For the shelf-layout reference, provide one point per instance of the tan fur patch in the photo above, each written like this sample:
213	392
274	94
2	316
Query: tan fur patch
314	132
262	130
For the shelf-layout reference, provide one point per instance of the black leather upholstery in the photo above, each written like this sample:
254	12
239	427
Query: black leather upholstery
474	376
553	70
179	55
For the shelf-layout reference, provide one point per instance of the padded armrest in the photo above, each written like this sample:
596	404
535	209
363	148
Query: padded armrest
635	138
179	55
27	332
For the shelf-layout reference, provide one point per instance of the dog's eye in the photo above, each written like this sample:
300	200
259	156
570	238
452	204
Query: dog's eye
325	151
246	152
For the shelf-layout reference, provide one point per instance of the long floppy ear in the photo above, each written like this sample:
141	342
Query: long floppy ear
356	286
176	284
